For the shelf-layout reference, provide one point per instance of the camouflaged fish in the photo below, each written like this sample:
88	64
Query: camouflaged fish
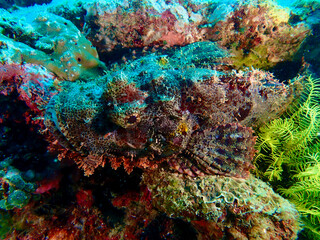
182	110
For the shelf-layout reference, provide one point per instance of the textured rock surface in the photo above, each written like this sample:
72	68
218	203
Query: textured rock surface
48	40
234	208
259	36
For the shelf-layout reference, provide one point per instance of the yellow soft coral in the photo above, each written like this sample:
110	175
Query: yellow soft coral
259	35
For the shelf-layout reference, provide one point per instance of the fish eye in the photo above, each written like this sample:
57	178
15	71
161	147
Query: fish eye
132	119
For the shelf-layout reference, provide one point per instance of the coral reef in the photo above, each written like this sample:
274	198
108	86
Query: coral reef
229	205
120	26
81	223
144	24
34	84
167	125
309	11
48	40
259	36
5	223
22	3
139	211
15	191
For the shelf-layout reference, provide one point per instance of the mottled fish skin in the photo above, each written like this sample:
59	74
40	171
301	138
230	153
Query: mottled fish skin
197	119
224	150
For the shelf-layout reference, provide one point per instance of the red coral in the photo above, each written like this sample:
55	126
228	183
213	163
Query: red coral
11	76
47	185
142	27
207	230
34	84
81	223
139	213
84	198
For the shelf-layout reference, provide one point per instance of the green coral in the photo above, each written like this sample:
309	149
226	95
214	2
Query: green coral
15	192
5	224
16	199
288	149
48	40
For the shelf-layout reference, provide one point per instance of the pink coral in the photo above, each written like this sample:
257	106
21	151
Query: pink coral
142	27
34	84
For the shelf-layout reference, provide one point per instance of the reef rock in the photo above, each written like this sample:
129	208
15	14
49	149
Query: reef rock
48	40
222	207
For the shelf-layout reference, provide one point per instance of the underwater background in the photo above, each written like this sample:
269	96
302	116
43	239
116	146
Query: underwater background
154	119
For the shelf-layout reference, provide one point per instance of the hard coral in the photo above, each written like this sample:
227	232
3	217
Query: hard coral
34	84
220	206
48	40
144	24
259	36
147	113
80	223
15	192
139	214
